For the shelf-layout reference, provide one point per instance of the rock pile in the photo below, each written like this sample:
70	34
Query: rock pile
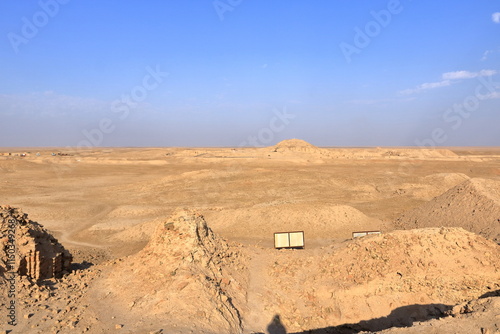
51	306
295	145
187	279
28	248
185	274
392	279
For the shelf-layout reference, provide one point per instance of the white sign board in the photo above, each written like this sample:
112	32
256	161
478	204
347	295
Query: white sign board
289	239
363	233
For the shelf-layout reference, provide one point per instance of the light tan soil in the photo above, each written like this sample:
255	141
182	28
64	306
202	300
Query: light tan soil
110	208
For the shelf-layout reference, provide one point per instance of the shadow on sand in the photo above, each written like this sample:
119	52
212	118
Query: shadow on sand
81	266
495	293
403	316
276	327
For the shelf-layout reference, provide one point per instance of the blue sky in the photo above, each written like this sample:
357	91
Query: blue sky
239	72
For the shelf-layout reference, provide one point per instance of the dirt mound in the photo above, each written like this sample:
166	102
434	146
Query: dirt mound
193	278
28	248
446	178
189	280
432	153
432	185
377	282
295	145
141	232
318	221
390	153
417	153
473	205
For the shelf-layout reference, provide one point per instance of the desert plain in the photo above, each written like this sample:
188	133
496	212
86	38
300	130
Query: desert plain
180	240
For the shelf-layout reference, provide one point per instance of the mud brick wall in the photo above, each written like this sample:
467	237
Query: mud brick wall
38	254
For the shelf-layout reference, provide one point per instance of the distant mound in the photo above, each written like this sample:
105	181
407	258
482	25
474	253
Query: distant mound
417	153
433	185
473	205
318	221
390	153
38	255
185	274
295	145
301	146
446	178
421	153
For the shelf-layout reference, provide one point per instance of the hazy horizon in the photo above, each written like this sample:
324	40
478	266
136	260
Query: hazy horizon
229	73
74	148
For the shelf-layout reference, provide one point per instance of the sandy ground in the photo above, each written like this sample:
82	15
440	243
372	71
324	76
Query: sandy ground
105	204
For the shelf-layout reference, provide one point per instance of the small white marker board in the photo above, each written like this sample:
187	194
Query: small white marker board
289	239
363	233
